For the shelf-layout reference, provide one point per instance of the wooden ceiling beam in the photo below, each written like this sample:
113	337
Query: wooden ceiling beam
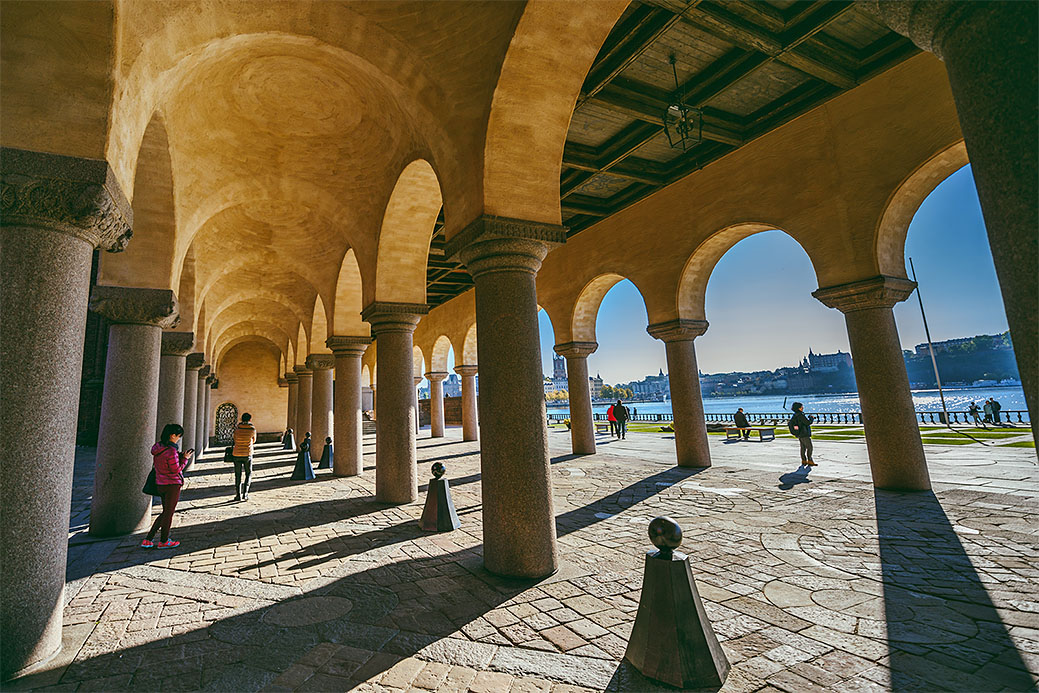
587	204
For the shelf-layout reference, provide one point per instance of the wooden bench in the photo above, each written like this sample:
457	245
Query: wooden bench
735	433
602	426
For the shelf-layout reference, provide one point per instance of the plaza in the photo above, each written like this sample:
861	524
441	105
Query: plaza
302	210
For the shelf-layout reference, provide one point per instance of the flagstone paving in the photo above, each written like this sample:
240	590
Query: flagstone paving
811	579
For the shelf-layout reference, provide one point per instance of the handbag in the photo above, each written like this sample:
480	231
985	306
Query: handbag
150	487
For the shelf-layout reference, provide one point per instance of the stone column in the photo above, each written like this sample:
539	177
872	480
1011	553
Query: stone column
349	457
304	402
321	423
896	454
684	379
128	404
582	430
172	367
503	256
436	403
192	364
290	417
200	409
989	52
469	419
393	325
207	413
54	211
417	380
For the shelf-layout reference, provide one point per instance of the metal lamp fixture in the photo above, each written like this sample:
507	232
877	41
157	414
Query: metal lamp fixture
683	124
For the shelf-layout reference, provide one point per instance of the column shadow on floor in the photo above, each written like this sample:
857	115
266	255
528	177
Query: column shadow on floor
943	631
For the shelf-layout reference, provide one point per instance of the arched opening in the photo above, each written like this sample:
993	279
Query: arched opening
347	309
319	329
226	419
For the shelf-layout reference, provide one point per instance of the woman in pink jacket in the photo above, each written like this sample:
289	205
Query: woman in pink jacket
169	477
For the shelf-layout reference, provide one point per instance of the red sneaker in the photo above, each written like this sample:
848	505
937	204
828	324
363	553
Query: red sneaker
169	544
147	544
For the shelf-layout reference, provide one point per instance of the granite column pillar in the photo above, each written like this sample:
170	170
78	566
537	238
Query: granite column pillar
200	409
436	404
172	368
128	404
211	384
304	402
989	52
582	429
192	364
393	325
54	211
290	416
503	256
896	453
349	457
683	377
470	422
417	380
321	423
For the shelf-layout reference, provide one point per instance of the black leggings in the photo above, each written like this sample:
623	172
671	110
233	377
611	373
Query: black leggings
240	463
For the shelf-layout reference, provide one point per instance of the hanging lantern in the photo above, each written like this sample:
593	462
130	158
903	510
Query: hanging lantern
683	124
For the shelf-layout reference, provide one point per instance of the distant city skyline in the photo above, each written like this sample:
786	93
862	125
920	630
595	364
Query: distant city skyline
769	277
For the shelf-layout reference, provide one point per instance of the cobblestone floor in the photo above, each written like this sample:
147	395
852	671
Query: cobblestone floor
812	580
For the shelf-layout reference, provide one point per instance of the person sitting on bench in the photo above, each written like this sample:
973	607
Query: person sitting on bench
740	420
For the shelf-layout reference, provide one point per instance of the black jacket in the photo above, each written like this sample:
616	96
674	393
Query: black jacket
741	420
803	424
621	413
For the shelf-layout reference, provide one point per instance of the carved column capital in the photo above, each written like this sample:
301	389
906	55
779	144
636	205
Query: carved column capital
499	244
417	379
384	316
303	372
211	381
291	378
348	346
195	361
466	370
572	350
177	343
320	362
204	371
156	307
680	330
76	196
283	382
877	292
436	376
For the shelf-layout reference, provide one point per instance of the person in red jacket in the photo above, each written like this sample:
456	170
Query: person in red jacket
169	477
613	421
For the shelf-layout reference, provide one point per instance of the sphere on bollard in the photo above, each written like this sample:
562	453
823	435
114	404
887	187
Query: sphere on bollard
665	534
438	470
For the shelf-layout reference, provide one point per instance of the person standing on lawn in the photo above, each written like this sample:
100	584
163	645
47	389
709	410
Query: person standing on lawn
801	427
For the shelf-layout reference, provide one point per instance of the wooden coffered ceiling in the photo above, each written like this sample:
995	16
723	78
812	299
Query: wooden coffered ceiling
750	66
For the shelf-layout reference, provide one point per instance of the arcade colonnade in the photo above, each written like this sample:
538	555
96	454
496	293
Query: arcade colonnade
843	179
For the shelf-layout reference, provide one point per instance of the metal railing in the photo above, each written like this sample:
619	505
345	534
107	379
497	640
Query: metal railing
1008	416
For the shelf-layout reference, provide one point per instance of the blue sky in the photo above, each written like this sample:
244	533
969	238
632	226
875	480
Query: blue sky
762	313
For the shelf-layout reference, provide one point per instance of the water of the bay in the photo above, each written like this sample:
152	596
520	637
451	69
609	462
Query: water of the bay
957	399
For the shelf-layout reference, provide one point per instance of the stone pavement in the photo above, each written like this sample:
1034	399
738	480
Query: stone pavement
812	580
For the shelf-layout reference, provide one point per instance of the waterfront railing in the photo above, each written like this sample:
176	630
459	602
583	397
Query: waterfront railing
1011	416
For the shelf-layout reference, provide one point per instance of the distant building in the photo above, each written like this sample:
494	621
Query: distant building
826	363
595	385
453	386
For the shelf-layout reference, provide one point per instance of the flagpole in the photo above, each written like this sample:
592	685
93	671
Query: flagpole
930	346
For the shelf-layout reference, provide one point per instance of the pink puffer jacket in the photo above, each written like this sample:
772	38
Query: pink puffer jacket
169	465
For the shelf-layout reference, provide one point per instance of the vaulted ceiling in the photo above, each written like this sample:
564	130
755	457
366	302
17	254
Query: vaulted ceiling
750	67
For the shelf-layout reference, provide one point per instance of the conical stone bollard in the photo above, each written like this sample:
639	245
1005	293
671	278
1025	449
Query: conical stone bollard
672	640
439	513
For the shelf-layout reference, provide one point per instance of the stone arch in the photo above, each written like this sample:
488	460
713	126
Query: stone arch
319	329
232	343
290	360
302	346
552	322
346	312
259	311
407	228
586	307
893	226
439	353
418	362
149	261
469	355
692	286
548	59
366	375
186	292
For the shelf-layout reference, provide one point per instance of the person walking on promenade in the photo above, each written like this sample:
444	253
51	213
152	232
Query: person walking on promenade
801	427
620	412
612	418
242	456
288	441
740	419
974	412
169	467
304	470
988	410
996	408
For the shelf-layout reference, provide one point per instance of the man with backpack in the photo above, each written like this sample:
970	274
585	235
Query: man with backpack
242	456
620	412
801	428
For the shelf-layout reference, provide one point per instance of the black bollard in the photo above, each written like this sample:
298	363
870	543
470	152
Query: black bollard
288	441
326	455
439	514
303	470
672	639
